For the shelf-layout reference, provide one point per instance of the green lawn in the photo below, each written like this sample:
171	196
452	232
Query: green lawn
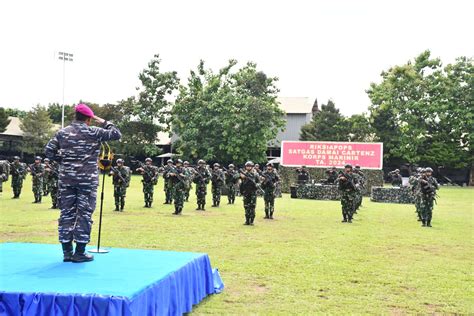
305	261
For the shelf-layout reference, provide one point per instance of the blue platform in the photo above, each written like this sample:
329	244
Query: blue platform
35	281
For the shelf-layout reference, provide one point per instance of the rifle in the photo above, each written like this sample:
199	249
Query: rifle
247	176
350	179
118	173
142	166
14	168
178	175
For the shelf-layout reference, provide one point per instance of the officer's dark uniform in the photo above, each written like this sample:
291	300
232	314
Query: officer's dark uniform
76	148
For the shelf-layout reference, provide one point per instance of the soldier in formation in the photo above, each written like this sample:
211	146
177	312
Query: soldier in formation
396	178
36	170
231	179
180	181
52	171
121	180
217	182
168	187
201	178
413	181
47	169
427	191
77	147
359	180
189	171
248	188
269	180
150	179
347	187
302	175
4	171
331	176
18	171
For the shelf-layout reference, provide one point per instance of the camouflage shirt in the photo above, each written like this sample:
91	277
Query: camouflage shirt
77	147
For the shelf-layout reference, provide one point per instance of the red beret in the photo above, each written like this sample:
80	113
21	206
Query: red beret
84	109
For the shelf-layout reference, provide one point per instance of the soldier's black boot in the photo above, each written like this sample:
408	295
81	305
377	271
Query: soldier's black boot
202	207
266	213
428	222
54	206
251	220
116	208
271	214
175	210
67	251
80	254
247	220
423	223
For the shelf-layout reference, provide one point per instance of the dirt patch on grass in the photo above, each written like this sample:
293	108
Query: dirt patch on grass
18	235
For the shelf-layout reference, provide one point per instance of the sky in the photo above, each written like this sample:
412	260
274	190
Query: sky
317	49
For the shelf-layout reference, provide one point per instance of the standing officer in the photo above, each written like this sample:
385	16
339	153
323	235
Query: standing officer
201	179
76	148
428	188
347	188
248	188
168	187
231	179
37	172
18	171
217	181
189	174
269	181
121	181
150	179
178	177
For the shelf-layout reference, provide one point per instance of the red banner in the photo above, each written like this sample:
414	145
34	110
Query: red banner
331	154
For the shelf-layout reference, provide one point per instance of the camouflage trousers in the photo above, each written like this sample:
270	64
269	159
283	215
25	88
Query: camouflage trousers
178	196
75	220
269	198
148	189
37	188
426	207
120	192
186	192
418	200
216	194
54	194
250	202
46	187
17	184
231	193
347	202
168	192
357	200
201	191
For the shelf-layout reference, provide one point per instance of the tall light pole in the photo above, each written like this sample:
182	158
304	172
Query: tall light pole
64	57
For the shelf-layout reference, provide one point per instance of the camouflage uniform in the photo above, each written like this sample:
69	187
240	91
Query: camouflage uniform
415	188
53	179
428	188
396	178
37	172
46	176
201	179
76	148
269	184
248	189
121	181
4	171
168	186
231	179
150	179
331	176
359	180
179	177
217	181
18	171
348	195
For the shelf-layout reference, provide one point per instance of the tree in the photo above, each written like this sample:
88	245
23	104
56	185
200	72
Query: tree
227	116
55	111
359	128
326	125
423	112
37	128
4	120
147	115
15	112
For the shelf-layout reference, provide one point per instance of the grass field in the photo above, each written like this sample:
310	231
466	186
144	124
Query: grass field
304	262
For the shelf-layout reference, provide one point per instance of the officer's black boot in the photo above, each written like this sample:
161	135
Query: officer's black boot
80	254
67	251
